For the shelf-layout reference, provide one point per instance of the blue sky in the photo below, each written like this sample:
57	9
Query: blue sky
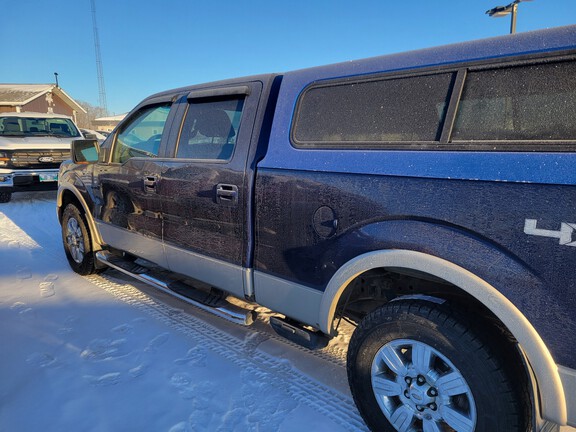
149	46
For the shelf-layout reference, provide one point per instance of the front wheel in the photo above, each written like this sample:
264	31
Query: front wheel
77	241
417	366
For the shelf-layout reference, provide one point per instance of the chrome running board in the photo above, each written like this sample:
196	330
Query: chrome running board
208	301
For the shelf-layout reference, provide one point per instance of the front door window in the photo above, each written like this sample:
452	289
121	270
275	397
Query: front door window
141	137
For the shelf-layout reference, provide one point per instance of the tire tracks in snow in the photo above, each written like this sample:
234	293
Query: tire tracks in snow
245	354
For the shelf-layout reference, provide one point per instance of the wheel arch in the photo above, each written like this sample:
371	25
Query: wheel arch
67	195
552	398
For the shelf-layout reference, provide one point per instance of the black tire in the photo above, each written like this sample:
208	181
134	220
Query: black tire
5	197
460	377
77	241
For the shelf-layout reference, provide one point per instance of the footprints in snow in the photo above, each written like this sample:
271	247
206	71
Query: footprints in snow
114	358
261	404
41	360
47	286
108	379
108	361
69	324
132	355
194	357
260	401
23	310
105	349
23	273
157	342
46	289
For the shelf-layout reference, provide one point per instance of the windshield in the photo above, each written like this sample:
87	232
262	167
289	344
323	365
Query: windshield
37	126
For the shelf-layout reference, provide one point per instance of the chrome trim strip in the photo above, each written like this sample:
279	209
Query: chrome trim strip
31	171
553	398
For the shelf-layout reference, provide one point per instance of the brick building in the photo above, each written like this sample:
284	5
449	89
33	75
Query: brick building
42	98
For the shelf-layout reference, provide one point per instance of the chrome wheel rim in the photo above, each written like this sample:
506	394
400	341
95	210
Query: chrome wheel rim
419	389
75	240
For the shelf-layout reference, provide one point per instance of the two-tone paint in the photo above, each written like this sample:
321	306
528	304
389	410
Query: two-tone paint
496	225
326	216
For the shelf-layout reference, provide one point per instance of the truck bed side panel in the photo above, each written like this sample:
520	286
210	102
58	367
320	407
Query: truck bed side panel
310	224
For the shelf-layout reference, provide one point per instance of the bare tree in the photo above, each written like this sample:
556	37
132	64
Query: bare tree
93	112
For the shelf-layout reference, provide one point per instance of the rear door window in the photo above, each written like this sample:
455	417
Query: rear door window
211	128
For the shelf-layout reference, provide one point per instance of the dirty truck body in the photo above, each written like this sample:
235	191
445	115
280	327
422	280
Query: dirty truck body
427	197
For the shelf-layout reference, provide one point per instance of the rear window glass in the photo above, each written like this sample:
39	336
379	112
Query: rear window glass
210	129
535	102
373	113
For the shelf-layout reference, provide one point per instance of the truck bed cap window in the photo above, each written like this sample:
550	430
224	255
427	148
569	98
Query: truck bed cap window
524	103
371	113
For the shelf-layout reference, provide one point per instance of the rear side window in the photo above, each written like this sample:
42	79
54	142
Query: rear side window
523	103
211	128
141	136
373	113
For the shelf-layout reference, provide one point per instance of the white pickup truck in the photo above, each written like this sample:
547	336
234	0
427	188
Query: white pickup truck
32	146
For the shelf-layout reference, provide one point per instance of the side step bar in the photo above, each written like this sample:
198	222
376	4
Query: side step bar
299	334
206	301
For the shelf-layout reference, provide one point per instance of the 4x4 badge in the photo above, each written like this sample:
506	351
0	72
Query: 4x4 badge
564	234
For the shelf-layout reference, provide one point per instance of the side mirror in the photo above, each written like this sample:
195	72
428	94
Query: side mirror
85	151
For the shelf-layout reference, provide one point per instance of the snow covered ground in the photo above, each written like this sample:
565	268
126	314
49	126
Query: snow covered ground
105	353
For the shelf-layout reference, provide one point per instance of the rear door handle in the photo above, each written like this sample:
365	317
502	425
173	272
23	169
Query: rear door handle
226	194
150	183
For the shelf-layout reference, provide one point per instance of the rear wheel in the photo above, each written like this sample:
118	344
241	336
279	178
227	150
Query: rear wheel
77	241
5	196
417	366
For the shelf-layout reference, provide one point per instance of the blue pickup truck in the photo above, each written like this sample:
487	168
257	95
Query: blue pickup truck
428	198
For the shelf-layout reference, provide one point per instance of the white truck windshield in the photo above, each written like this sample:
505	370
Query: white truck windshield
37	126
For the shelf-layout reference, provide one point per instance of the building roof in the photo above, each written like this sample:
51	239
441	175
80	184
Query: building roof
21	94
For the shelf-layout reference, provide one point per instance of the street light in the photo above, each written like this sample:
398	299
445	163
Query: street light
501	11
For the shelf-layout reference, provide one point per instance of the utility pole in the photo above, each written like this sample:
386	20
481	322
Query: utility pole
99	71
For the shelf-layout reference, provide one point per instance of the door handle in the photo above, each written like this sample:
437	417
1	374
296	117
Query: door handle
150	183
226	194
